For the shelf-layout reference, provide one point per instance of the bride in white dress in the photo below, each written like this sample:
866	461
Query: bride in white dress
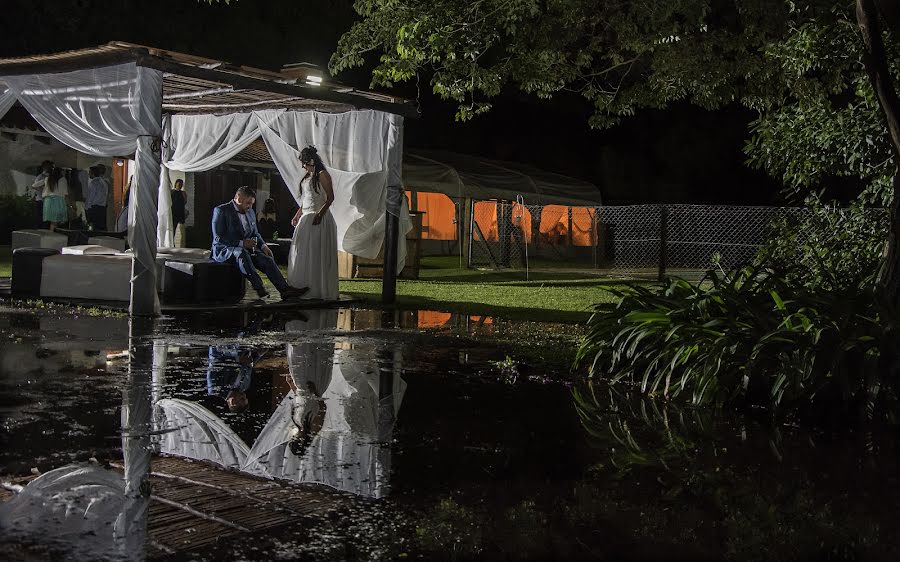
313	259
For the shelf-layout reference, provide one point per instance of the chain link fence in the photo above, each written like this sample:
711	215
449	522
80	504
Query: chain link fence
641	240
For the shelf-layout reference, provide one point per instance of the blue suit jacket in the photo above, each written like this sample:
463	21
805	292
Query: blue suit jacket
228	232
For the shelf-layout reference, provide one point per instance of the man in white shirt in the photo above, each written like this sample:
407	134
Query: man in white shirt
95	198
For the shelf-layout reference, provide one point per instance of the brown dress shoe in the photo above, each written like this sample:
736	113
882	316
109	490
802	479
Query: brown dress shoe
292	293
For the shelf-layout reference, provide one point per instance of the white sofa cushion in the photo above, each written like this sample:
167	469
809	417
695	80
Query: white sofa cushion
89	250
108	241
38	238
95	277
184	252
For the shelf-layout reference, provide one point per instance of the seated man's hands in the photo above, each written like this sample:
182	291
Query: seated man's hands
267	251
249	244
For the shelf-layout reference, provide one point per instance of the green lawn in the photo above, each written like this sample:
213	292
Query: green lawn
549	295
560	295
5	261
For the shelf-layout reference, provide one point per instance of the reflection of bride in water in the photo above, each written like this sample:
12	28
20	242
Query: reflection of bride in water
331	428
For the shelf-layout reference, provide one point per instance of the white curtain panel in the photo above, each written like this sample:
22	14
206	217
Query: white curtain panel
165	229
197	143
7	99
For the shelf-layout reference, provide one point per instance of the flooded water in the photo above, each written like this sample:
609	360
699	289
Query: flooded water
358	435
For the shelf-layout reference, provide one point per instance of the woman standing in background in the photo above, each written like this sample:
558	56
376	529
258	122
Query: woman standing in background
54	194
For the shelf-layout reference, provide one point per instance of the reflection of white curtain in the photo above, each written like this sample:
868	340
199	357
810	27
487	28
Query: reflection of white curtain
109	111
7	99
358	149
75	506
191	431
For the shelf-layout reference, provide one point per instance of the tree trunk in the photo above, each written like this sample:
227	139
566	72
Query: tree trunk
875	61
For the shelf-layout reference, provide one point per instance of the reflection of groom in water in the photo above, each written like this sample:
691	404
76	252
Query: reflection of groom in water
236	240
230	381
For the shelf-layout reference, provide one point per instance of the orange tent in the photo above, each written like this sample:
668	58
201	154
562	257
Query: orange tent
439	220
554	226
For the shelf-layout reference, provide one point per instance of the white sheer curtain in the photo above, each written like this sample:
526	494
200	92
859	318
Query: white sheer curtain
197	143
358	149
109	111
7	99
98	111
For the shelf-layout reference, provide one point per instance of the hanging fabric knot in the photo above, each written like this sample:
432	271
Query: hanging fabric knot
156	144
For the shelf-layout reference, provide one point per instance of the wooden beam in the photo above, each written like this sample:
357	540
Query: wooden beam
297	91
79	62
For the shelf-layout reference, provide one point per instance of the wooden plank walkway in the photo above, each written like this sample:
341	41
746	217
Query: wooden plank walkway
193	505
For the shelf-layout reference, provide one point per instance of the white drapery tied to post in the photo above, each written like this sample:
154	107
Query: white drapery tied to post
109	111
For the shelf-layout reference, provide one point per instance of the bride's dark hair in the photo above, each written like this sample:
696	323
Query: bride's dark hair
307	154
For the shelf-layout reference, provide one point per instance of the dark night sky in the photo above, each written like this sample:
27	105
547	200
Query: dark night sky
684	154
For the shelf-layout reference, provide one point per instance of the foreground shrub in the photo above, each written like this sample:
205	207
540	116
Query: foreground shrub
827	248
749	335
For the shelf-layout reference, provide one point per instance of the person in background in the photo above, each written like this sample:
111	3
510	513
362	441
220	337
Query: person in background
268	220
77	219
179	212
95	199
54	194
35	192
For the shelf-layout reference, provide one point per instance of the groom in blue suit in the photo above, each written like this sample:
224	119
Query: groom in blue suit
236	240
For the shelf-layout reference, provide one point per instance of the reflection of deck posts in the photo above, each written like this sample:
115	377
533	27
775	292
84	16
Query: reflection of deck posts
160	357
389	368
131	526
470	227
391	236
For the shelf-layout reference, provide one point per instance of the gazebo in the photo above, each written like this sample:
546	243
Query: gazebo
175	111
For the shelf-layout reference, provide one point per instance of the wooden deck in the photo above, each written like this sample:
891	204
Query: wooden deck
193	505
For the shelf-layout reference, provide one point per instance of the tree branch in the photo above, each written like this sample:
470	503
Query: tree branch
875	61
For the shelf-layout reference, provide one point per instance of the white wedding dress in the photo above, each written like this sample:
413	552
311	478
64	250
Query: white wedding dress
313	259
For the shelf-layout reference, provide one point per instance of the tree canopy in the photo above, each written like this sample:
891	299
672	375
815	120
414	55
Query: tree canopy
797	64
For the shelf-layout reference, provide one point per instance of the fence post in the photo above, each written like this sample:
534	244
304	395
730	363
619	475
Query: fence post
595	237
471	214
663	239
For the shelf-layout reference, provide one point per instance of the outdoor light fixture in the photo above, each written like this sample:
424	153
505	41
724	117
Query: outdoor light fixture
303	72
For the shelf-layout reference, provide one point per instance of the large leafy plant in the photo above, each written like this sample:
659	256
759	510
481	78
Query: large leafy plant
745	337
